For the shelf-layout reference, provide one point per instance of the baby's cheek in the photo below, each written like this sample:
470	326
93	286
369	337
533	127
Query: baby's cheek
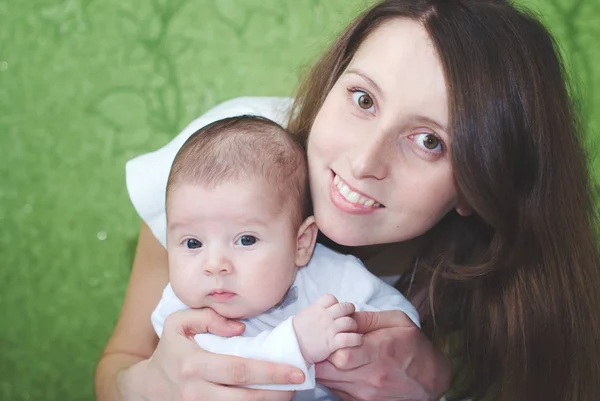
277	287
187	289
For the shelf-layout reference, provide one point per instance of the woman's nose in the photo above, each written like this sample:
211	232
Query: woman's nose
370	160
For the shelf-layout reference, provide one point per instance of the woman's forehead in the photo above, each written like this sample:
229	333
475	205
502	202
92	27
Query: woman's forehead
400	61
400	47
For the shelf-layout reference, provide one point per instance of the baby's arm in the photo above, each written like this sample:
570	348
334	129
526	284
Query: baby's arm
301	341
277	345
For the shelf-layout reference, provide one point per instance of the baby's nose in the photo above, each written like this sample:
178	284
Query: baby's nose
220	266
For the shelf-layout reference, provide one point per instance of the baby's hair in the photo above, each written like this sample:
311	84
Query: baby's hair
244	148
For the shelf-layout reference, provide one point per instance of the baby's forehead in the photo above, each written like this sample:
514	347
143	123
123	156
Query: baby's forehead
251	189
248	204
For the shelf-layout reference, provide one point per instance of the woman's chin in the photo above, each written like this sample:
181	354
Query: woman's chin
343	235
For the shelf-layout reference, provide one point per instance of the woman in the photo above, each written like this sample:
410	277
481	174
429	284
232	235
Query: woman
454	117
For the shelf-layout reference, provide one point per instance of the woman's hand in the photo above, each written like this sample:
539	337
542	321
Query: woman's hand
180	370
395	362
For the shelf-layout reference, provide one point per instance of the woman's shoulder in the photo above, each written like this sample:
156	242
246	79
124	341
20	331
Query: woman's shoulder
273	108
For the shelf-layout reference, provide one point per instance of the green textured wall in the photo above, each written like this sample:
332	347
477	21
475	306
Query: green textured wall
84	86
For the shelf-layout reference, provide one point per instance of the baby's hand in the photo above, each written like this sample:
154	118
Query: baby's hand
324	327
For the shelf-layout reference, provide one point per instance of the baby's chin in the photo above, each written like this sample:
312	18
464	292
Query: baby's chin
232	313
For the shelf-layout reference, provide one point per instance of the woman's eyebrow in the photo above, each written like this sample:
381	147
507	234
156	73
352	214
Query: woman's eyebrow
418	118
366	78
429	121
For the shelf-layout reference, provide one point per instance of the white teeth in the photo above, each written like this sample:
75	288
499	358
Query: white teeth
351	196
344	190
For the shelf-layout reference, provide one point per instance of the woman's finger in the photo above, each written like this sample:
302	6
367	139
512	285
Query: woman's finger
236	371
199	390
195	321
253	394
371	321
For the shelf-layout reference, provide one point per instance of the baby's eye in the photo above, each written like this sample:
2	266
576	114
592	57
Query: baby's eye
193	244
246	240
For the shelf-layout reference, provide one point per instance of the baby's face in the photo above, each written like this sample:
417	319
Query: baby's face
231	248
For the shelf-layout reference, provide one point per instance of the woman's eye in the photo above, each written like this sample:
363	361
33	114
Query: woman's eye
429	141
193	244
246	240
362	99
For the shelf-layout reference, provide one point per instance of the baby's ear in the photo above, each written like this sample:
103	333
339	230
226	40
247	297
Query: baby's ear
307	237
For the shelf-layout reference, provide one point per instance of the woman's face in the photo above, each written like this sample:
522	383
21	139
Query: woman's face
378	149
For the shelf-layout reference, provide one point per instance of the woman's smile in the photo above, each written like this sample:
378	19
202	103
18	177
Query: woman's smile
349	199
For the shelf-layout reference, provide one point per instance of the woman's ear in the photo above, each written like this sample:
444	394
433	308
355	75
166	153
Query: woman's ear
307	237
463	209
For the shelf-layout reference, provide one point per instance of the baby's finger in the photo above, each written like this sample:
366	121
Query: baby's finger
346	340
345	324
327	301
353	358
342	309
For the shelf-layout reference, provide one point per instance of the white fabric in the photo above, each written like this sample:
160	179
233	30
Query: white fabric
271	336
147	175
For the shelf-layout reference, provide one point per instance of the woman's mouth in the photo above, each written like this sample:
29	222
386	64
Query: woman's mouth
349	199
353	196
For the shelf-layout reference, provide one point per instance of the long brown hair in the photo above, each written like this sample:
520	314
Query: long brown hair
514	289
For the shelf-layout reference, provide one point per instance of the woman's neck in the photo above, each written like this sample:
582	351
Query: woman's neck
380	259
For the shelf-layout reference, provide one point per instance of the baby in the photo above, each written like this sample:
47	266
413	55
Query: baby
241	240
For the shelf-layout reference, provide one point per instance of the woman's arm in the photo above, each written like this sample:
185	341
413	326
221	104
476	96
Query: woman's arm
133	338
136	366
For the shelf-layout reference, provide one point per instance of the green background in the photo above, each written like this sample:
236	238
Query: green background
84	86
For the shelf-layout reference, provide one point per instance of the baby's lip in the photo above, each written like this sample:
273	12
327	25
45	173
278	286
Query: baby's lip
221	295
220	291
